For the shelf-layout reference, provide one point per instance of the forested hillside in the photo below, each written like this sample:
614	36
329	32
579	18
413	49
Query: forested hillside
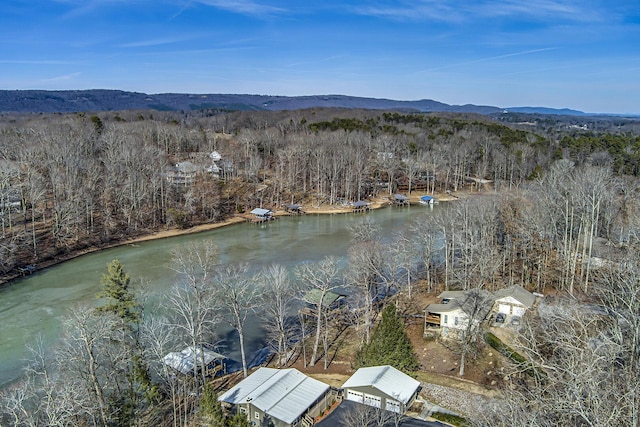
74	181
559	214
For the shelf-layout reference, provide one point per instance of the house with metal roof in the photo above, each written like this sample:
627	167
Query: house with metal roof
383	387
278	397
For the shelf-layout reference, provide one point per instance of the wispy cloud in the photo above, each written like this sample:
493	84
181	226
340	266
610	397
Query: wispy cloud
458	11
565	10
244	7
487	59
36	62
418	10
157	42
64	77
84	7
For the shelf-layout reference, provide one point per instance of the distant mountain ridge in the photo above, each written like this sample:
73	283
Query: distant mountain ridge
69	101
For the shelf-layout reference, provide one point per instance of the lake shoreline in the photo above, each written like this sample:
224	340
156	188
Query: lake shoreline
377	203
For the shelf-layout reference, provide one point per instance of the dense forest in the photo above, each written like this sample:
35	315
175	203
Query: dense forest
559	213
69	182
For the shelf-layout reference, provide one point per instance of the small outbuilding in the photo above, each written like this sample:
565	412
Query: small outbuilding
260	214
513	301
294	209
383	387
400	199
186	360
360	206
278	397
428	200
330	301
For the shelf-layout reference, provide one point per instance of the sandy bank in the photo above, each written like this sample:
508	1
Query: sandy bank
376	203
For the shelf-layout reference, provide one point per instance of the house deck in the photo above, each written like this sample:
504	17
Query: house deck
432	319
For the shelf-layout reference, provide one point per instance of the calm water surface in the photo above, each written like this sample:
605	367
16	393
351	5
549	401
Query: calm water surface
36	305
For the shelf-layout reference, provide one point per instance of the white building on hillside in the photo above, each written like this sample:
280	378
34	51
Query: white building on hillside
383	387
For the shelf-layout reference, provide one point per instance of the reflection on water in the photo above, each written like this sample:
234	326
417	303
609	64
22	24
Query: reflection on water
35	305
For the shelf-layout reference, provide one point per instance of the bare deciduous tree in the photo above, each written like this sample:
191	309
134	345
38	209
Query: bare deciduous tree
277	302
192	303
237	294
322	276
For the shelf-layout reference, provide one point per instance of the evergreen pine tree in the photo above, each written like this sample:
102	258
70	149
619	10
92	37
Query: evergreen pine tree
389	345
120	301
119	298
238	420
210	408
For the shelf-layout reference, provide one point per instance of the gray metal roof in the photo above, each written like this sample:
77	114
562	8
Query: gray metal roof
260	212
183	361
390	381
313	297
284	394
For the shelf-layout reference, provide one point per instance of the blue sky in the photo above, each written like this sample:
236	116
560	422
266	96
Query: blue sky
581	54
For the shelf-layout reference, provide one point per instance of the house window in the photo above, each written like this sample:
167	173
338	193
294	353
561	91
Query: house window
446	319
243	410
455	321
257	415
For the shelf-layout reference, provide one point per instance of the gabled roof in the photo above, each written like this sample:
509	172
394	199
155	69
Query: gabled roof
284	394
183	361
472	301
260	212
518	293
360	204
313	297
400	197
443	308
452	294
387	379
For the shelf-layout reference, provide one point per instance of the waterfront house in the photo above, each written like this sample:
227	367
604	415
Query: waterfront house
278	398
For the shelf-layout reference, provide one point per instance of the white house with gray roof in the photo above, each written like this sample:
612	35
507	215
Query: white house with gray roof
278	397
382	387
513	301
457	312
